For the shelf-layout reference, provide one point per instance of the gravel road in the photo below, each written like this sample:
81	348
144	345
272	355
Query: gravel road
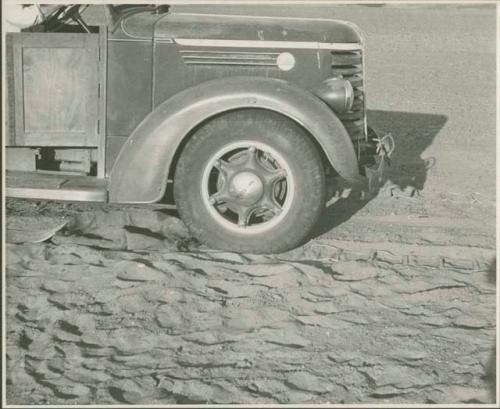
392	301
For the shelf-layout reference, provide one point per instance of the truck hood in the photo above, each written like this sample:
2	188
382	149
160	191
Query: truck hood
230	27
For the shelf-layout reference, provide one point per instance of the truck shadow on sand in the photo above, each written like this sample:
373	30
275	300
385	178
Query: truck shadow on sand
413	133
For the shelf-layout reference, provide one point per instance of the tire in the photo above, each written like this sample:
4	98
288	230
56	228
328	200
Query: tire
250	181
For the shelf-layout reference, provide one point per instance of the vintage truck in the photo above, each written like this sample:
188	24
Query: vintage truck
238	121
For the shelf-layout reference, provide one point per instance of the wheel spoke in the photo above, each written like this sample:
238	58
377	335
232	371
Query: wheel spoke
219	198
271	177
244	214
270	204
252	160
225	168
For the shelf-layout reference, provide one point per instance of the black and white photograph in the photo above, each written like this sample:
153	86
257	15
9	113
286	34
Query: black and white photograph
250	203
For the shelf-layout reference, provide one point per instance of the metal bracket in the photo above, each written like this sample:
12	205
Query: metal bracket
374	174
385	147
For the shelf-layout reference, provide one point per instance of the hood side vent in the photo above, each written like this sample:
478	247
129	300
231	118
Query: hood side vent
204	57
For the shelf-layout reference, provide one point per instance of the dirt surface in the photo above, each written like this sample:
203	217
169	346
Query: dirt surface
122	306
392	300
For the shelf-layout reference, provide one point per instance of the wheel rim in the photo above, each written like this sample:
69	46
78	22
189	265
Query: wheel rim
248	187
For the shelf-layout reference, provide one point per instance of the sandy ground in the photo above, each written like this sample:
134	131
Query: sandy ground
392	301
121	306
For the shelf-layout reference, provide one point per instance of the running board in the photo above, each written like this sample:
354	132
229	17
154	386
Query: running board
36	185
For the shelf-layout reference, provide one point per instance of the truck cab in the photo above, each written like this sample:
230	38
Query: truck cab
237	120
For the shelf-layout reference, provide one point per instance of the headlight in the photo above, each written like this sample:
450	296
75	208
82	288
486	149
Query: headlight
349	95
337	93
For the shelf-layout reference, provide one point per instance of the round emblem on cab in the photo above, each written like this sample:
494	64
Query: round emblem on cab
285	61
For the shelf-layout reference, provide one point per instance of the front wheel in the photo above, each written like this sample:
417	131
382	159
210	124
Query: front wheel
250	181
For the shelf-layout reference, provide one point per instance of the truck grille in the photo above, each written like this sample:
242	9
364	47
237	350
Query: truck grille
349	65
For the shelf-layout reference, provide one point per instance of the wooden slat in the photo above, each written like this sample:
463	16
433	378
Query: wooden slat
21	159
17	58
9	95
103	61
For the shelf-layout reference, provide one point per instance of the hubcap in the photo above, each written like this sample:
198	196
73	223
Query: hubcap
248	187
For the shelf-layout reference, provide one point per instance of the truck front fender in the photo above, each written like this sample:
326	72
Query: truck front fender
141	170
